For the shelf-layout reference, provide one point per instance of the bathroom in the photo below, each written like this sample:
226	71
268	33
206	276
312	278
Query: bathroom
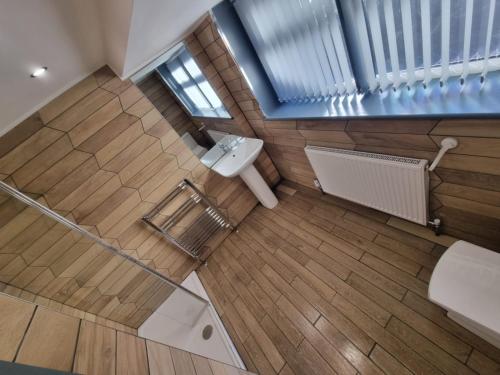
249	186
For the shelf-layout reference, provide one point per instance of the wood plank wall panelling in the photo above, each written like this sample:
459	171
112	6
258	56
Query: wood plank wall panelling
208	50
102	156
465	188
165	102
37	336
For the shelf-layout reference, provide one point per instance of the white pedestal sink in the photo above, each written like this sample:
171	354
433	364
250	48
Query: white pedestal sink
233	156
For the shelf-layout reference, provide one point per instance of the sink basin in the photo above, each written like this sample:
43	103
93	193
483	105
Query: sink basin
234	156
239	158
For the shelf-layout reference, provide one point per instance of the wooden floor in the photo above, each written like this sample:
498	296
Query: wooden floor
321	286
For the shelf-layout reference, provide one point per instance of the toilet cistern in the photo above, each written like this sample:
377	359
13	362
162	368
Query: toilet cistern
234	156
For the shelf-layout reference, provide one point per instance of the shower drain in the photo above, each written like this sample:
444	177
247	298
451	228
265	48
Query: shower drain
207	331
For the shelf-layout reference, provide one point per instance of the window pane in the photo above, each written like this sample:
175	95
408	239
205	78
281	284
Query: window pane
301	47
203	84
191	87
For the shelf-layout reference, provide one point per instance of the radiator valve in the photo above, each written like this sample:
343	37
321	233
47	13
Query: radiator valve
436	226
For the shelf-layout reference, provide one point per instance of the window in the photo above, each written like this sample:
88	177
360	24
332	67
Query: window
373	58
186	80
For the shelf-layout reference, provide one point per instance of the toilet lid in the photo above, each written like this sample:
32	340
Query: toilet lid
466	280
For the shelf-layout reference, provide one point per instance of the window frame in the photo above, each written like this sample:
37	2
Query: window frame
472	100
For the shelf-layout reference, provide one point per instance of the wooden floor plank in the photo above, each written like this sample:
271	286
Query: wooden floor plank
50	341
358	267
182	362
96	350
311	334
131	357
297	299
482	364
432	331
437	315
358	359
357	336
377	312
426	349
387	363
260	360
260	336
14	319
159	358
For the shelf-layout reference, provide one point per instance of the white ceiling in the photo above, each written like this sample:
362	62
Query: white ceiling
159	24
75	37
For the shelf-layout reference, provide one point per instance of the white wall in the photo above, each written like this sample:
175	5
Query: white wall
116	16
75	37
158	25
64	35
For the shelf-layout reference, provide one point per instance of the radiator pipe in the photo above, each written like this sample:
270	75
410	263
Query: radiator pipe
446	144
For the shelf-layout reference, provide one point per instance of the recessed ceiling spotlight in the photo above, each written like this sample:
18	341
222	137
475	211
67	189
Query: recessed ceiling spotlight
39	72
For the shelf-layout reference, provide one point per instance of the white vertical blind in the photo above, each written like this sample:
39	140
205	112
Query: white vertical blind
397	42
414	41
364	47
301	46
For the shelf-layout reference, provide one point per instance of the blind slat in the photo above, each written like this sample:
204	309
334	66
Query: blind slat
332	57
425	11
408	41
467	36
340	48
445	40
378	44
489	32
364	45
393	46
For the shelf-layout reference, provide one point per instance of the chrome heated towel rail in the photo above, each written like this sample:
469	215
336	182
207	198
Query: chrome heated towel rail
187	219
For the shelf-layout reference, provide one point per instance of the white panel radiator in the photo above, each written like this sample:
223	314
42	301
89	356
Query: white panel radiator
393	184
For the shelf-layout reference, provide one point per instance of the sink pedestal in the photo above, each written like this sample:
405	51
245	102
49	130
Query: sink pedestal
233	156
258	186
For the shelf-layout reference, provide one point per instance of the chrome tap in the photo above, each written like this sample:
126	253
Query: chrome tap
224	147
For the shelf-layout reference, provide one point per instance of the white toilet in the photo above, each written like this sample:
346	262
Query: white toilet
189	141
466	282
